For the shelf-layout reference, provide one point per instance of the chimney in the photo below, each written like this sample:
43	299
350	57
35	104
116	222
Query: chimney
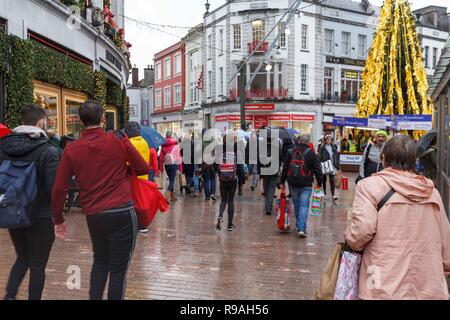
135	77
149	76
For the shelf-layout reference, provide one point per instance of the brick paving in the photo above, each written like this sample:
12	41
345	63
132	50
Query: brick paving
184	257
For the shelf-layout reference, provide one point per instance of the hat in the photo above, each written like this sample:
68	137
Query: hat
133	129
382	133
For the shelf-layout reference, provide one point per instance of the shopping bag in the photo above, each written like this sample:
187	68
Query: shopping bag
317	202
147	200
348	278
338	180
344	183
283	209
328	168
329	277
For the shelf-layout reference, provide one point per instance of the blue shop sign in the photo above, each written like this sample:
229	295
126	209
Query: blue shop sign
413	122
350	122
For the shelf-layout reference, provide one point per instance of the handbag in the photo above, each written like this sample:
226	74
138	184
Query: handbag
329	277
328	168
348	278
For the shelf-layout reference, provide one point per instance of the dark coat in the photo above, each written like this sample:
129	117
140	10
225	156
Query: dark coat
325	156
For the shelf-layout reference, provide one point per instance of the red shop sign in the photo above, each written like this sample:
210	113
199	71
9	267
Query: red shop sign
260	106
279	117
303	117
221	118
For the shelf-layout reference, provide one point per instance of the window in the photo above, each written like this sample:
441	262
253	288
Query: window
158	71
167	68
346	43
258	30
221	41
158	100
221	81
177	90
435	53
328	84
351	81
304	39
210	49
304	78
167	96
3	24
177	64
282	28
427	52
329	41
209	83
133	111
362	45
237	37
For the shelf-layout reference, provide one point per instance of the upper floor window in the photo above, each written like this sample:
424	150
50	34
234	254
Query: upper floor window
3	24
282	28
304	37
167	96
304	78
177	93
346	43
426	57
329	41
221	41
435	58
158	101
210	48
258	30
158	71
177	64
237	37
167	68
362	45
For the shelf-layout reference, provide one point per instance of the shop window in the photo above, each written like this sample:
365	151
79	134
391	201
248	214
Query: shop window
49	97
72	103
112	121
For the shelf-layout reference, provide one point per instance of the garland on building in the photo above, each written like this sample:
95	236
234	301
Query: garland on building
29	60
395	80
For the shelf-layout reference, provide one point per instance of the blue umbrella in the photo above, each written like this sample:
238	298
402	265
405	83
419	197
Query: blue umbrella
293	131
153	137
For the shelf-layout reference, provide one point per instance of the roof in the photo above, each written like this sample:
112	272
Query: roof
441	69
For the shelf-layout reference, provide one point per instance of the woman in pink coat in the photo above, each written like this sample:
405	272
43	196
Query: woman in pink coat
407	243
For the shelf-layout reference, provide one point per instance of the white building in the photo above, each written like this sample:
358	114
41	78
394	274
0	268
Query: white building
322	56
193	113
52	24
141	96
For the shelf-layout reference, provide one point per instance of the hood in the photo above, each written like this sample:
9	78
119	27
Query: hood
20	145
410	185
170	142
33	132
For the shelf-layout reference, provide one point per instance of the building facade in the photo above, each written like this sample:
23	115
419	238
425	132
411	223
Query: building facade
169	89
140	93
315	70
66	57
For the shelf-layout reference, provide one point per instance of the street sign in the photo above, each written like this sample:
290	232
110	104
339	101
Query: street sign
350	122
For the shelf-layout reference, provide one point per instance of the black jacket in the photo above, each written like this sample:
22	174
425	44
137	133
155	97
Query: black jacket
325	156
311	162
21	145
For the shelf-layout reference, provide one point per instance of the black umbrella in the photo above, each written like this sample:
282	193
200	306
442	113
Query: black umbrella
425	142
284	134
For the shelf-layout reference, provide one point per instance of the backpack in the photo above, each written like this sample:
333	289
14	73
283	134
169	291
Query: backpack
169	159
18	189
228	169
297	171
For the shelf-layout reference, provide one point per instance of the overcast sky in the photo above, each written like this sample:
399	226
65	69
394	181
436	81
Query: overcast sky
147	41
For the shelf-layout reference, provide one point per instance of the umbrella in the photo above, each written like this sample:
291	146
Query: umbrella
4	130
153	137
293	131
426	141
284	134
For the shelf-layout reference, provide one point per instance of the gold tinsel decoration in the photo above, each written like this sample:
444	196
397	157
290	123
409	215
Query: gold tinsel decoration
394	78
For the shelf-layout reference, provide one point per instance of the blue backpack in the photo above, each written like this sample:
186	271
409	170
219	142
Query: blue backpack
18	189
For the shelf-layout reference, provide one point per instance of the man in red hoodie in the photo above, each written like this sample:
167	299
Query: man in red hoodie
98	160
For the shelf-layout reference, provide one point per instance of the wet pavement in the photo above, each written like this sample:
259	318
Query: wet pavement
184	257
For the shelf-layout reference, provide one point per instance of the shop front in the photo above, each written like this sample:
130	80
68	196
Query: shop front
168	123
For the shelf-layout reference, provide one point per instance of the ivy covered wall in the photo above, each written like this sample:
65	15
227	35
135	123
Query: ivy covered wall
30	61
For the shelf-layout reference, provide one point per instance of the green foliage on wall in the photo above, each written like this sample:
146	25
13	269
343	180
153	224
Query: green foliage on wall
100	87
3	46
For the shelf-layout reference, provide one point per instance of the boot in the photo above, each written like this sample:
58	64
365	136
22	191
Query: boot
172	197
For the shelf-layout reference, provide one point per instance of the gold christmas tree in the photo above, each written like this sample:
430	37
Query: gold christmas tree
395	81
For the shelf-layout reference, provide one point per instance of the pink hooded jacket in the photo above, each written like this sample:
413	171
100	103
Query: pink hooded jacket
406	244
171	146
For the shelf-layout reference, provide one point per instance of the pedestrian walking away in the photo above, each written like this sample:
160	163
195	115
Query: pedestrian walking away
209	168
329	152
171	161
32	244
300	167
98	160
406	243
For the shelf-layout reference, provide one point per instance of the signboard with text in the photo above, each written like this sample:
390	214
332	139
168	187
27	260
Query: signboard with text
350	122
260	107
413	122
351	159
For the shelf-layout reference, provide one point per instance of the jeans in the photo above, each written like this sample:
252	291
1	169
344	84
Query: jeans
33	246
192	180
324	181
255	177
209	183
301	198
113	236
151	175
270	185
227	193
172	174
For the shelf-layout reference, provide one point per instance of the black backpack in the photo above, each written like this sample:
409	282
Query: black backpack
297	171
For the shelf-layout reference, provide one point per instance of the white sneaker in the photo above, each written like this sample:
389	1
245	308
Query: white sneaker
302	234
143	230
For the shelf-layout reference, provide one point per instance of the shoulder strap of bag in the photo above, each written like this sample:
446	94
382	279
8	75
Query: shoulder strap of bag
385	199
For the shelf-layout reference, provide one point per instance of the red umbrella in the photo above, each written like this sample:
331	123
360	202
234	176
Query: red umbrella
4	131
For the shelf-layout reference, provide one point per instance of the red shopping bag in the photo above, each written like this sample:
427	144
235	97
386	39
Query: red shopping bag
344	183
147	200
